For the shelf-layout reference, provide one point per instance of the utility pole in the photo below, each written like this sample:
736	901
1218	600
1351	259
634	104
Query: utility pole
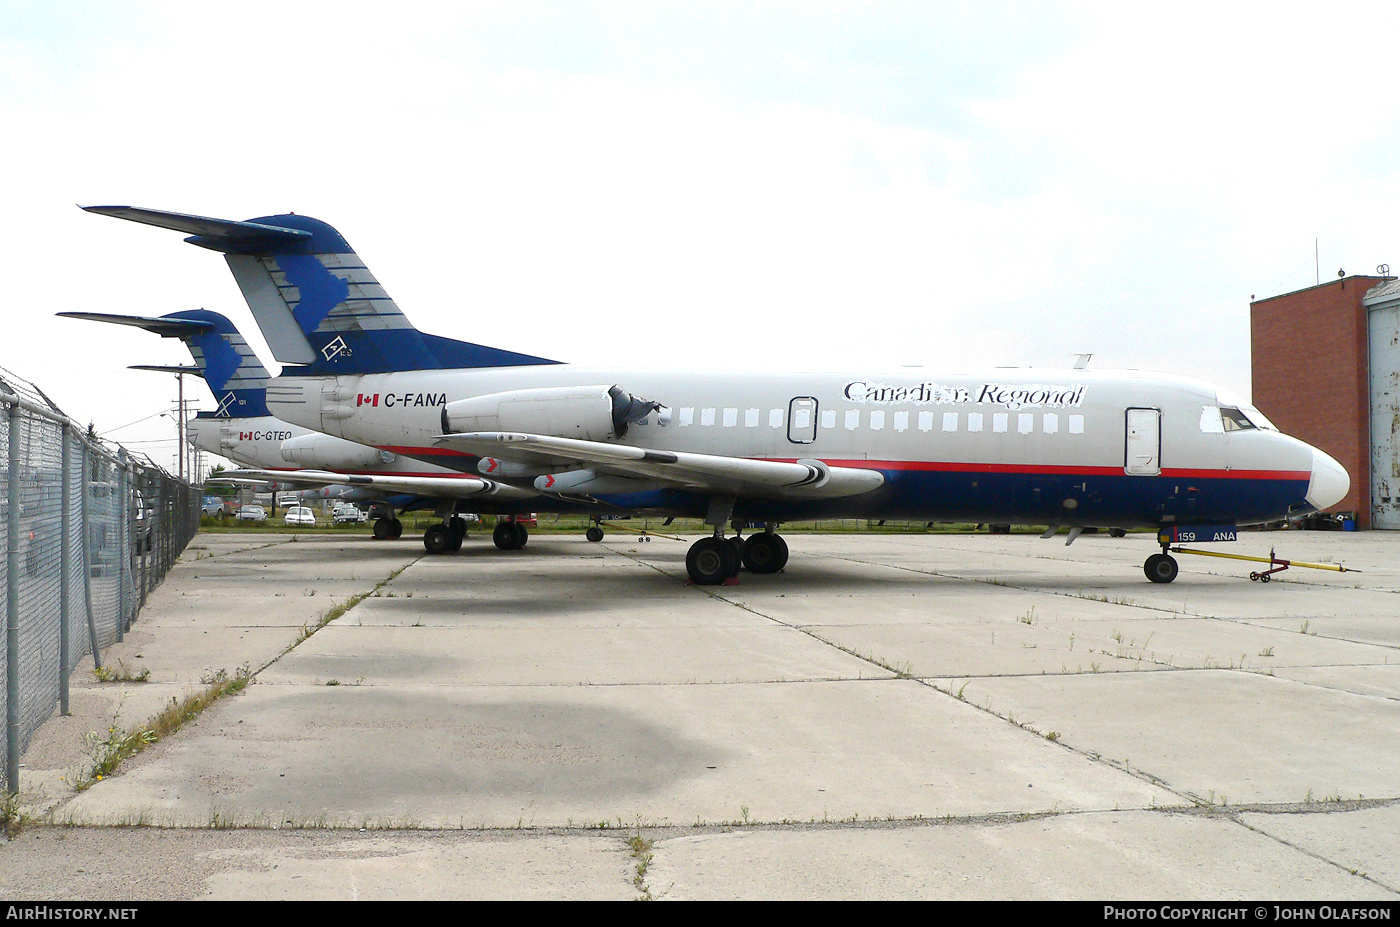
180	427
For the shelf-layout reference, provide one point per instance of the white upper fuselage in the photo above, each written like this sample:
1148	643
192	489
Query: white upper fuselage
1011	420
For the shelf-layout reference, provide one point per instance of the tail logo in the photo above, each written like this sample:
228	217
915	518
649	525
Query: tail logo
336	348
226	405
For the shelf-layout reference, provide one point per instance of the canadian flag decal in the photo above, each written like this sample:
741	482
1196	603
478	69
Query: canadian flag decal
364	400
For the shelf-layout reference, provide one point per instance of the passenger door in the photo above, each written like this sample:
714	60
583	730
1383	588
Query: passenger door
1143	451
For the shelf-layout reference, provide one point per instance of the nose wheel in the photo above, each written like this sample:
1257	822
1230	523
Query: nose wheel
1160	568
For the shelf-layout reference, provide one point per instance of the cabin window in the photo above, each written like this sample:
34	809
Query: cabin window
1076	424
687	417
926	421
950	421
974	421
852	419
829	418
877	421
707	417
999	422
750	418
1025	423
901	421
731	418
775	418
1050	424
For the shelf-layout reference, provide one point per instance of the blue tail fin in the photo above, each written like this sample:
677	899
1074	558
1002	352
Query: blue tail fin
222	357
316	302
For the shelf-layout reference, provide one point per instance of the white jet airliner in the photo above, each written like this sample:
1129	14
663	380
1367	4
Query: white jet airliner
288	456
1071	448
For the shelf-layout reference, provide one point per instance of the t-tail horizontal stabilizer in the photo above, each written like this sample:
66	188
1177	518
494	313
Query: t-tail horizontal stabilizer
316	302
222	357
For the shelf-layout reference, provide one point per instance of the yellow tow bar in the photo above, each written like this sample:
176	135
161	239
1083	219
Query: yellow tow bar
1278	565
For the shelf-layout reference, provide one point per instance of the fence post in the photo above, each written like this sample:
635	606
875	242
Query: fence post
65	567
87	564
123	520
12	609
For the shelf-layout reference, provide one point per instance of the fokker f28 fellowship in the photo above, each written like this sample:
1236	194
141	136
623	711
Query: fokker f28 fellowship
287	456
1064	448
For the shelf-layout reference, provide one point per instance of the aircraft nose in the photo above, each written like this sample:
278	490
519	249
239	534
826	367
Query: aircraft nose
1329	483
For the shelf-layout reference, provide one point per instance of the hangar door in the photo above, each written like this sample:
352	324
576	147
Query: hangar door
1385	416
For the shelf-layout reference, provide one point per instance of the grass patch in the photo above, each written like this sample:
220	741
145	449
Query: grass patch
120	673
640	848
117	745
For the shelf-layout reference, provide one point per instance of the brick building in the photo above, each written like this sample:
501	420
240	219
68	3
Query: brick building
1326	369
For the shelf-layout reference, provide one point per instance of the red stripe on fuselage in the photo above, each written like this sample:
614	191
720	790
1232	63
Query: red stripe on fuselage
955	467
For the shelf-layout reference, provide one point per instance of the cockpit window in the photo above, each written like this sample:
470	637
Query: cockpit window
1234	419
1251	417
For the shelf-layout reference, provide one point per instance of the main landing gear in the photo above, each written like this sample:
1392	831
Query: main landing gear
387	529
712	560
446	537
510	535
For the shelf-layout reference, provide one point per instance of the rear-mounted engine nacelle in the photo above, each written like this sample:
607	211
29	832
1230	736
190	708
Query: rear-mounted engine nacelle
326	452
588	413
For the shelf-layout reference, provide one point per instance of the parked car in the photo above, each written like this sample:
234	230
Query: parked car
347	514
299	515
252	513
212	506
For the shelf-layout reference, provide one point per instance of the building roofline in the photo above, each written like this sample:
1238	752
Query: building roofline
1318	286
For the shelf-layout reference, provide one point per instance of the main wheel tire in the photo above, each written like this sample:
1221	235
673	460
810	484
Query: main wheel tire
436	539
594	534
458	526
381	529
710	561
1160	568
765	553
510	535
395	529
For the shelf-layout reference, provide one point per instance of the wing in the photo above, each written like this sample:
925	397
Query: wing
445	487
735	476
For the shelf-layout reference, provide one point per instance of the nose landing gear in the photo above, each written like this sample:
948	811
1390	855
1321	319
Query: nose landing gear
1160	568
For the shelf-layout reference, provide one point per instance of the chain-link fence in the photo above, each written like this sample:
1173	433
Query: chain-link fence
85	533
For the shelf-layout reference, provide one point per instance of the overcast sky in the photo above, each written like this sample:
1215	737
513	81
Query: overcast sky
714	185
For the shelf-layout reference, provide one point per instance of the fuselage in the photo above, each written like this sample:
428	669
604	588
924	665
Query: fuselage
1074	447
